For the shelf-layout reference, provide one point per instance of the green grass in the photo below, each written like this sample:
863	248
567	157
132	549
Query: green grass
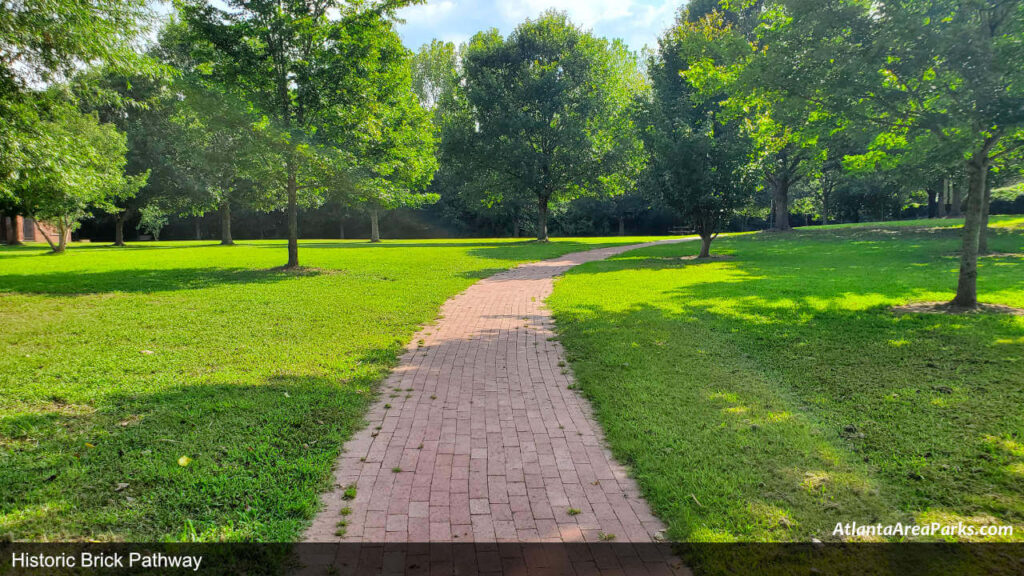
1001	221
118	362
769	396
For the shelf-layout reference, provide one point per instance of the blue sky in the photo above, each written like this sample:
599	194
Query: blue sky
637	22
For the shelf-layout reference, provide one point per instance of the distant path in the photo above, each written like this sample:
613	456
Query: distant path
491	444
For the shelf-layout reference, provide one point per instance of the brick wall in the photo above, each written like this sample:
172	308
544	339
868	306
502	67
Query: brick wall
21	229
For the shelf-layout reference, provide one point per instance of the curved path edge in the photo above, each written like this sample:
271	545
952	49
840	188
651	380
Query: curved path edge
477	437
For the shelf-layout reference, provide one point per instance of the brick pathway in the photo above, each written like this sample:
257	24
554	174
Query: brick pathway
477	438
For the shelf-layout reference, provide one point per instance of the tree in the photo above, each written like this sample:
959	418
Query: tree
221	149
306	66
140	106
785	131
153	219
42	43
74	164
435	77
949	67
699	158
468	195
394	148
550	110
910	162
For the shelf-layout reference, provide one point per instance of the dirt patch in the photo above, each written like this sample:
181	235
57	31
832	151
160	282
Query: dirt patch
947	308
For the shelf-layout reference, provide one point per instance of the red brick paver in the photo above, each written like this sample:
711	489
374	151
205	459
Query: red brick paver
478	438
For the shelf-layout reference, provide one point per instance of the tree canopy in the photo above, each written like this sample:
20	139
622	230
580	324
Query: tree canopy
550	109
321	72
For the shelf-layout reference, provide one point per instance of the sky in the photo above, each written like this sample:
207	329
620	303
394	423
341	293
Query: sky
637	22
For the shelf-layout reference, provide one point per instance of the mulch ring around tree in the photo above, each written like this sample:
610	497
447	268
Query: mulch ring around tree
948	308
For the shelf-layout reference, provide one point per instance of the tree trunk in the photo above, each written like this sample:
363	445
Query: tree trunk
942	198
341	229
119	229
10	231
705	245
955	210
199	230
62	235
622	226
542	219
780	193
983	229
225	224
374	226
933	203
293	217
824	206
55	248
515	228
967	284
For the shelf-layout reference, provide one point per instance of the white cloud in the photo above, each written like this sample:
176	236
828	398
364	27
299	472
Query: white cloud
637	22
586	13
429	11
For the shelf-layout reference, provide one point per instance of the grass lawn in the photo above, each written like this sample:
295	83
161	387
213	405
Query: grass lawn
119	363
772	394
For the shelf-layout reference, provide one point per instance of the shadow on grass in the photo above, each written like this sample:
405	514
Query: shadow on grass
774	395
258	456
143	280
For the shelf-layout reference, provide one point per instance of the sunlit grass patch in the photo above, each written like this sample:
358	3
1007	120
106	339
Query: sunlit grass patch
780	384
189	391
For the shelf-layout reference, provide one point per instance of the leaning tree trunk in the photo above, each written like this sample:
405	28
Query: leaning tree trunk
780	194
542	219
967	283
374	226
57	248
119	229
622	226
225	224
983	229
293	217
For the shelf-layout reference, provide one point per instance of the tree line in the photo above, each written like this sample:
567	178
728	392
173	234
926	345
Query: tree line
745	107
746	111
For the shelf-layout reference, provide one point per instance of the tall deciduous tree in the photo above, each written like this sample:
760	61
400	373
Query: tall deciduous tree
394	146
306	65
550	107
74	165
700	159
221	151
786	131
951	67
43	42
